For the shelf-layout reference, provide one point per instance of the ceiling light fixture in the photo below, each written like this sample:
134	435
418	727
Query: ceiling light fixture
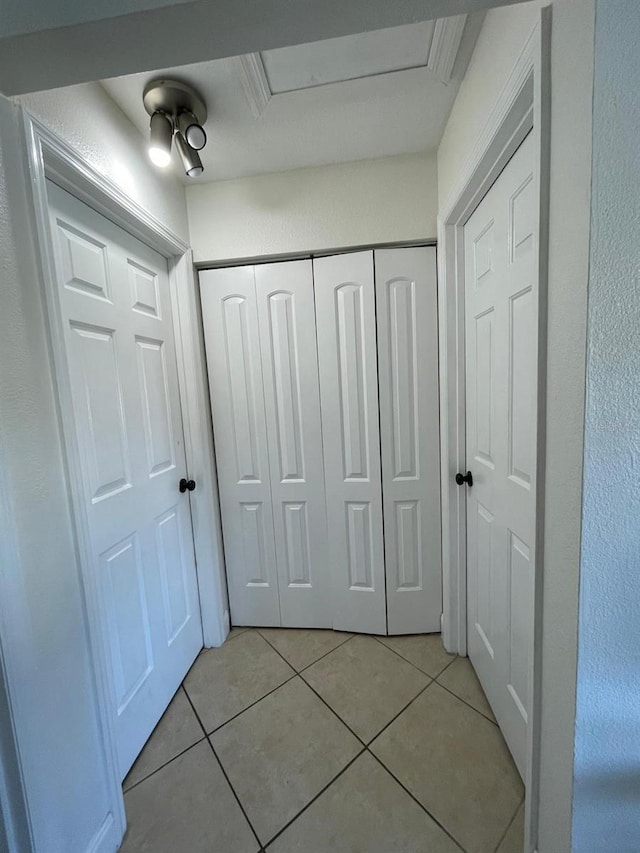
176	109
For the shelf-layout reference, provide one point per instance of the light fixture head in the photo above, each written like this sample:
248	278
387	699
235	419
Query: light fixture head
175	106
193	132
160	134
190	158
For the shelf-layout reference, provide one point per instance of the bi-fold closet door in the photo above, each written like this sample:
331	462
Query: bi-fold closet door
323	379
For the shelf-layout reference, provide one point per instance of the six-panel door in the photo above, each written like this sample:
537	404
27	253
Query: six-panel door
501	369
114	303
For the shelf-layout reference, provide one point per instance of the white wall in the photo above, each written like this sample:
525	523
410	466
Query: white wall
327	207
500	42
87	118
607	754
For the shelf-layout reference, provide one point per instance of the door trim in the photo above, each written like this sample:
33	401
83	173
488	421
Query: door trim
522	107
50	157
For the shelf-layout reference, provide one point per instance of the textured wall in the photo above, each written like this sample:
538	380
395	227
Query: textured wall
328	207
87	118
607	748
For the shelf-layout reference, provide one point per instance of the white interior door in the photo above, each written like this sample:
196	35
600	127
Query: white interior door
114	304
286	318
501	305
230	318
407	315
346	323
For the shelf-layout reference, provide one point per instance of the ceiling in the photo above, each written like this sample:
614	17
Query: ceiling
356	97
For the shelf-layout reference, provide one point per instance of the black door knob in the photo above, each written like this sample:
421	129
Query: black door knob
187	485
464	478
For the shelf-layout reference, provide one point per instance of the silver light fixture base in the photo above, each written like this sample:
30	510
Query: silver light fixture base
172	98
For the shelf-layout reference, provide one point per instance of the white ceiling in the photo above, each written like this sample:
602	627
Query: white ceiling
351	98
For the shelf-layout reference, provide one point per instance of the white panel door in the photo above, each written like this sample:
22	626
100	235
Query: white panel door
346	323
501	305
286	317
230	318
407	314
114	302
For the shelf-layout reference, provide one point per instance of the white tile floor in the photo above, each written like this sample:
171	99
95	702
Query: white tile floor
293	741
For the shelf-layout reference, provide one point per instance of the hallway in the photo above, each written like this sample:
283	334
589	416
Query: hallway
290	740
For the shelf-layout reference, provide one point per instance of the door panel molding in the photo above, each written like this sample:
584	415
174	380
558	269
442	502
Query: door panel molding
522	107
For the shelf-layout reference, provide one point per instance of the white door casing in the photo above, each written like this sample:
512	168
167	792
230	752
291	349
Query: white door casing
346	327
230	318
407	323
501	308
286	318
114	300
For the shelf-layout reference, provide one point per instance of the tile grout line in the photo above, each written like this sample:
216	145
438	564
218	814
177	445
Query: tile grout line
298	671
235	716
509	825
464	702
319	794
163	765
401	712
406	660
224	773
415	799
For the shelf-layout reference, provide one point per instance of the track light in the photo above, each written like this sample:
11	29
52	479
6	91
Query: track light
190	158
193	133
161	131
176	109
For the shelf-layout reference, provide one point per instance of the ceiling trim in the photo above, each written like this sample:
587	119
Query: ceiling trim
254	82
445	44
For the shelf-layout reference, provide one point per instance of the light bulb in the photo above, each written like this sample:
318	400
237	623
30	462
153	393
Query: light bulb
160	134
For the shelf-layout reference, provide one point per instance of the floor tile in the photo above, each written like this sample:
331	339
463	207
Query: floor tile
364	811
513	842
222	682
281	753
301	647
177	730
423	650
187	805
235	632
461	679
455	762
365	684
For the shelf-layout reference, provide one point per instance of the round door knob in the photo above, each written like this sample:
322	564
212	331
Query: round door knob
464	478
187	485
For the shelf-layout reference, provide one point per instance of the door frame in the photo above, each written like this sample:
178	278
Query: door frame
523	106
50	157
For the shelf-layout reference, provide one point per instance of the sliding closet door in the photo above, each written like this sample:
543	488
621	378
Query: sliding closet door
409	413
345	314
230	321
290	371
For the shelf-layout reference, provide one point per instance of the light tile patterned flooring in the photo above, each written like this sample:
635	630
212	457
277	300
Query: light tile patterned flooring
294	741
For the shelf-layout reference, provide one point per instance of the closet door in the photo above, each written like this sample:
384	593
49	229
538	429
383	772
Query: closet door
409	412
290	371
230	320
345	315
